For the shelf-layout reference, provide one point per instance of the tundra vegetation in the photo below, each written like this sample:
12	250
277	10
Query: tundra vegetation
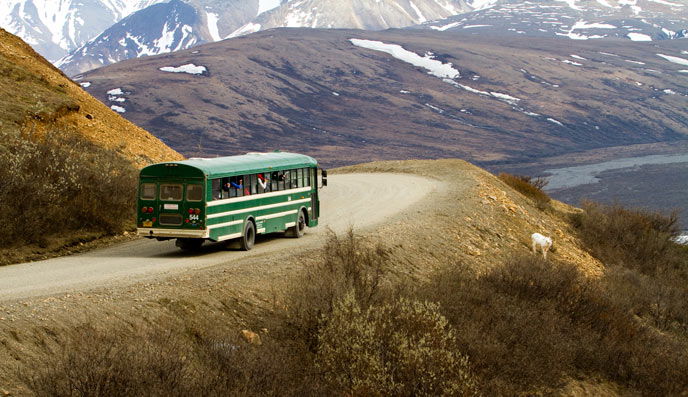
352	325
60	184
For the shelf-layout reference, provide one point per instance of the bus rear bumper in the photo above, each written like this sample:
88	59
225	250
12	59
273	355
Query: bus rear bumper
173	233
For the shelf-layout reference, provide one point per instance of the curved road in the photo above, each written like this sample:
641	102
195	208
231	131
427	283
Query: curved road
351	200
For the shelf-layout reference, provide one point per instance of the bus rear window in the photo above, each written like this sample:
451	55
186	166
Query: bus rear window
171	192
194	192
148	191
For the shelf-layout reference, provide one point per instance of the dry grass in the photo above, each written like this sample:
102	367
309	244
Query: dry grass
529	187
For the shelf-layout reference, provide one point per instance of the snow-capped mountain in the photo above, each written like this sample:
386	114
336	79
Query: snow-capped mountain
358	14
143	32
55	27
158	29
637	20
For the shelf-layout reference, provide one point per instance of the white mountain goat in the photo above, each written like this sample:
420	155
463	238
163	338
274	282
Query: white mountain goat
544	242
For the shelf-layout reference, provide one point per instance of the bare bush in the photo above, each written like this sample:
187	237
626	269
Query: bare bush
348	264
634	238
404	348
61	182
527	324
99	363
529	187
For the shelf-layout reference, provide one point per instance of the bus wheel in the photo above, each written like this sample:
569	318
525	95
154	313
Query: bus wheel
189	244
249	237
300	228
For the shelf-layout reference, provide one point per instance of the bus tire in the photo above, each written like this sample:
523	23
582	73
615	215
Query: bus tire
189	244
299	229
248	239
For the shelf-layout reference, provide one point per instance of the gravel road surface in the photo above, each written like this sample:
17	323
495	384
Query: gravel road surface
358	200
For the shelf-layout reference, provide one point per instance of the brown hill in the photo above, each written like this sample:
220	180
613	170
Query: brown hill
37	98
313	91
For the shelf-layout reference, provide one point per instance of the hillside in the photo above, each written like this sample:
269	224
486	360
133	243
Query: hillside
37	98
518	338
491	99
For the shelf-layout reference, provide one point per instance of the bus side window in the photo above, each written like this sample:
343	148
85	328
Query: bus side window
281	180
300	176
308	172
217	189
262	179
236	186
249	184
294	175
274	178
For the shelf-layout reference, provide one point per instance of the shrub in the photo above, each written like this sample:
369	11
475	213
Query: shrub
98	363
404	348
634	238
62	183
347	264
529	187
527	324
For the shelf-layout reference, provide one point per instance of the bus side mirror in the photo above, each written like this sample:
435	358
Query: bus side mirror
324	177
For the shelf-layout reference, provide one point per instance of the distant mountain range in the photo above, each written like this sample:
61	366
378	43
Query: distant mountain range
401	94
85	34
641	20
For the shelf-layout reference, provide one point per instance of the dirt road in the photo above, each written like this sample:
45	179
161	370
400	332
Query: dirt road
358	200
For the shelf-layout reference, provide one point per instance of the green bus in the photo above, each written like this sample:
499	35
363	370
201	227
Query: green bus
227	198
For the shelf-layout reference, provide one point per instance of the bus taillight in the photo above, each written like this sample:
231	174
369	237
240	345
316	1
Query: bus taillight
191	211
144	210
150	210
197	211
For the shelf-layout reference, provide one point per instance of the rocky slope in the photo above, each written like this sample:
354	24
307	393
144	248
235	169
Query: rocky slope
38	98
442	94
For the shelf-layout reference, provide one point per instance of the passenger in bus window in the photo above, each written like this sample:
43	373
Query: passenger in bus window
264	183
281	181
226	188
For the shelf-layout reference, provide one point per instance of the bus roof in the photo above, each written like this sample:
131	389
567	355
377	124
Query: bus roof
237	164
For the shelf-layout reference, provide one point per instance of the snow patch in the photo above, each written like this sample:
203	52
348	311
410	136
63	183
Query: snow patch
212	26
572	63
188	68
578	57
267	5
115	91
244	30
680	61
118	109
638	37
670	92
557	122
421	18
475	26
584	25
667	3
434	67
85	84
445	27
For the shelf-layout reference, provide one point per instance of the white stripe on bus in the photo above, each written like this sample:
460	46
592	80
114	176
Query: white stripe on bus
258	196
277	215
262	207
290	224
229	236
225	224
